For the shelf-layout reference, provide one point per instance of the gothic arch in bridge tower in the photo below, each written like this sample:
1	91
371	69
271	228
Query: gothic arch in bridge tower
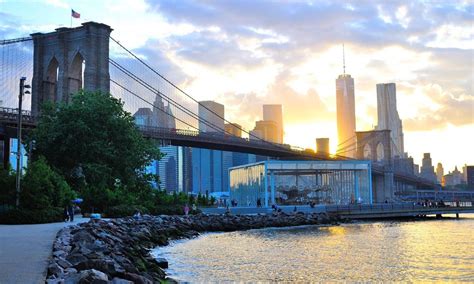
70	48
380	152
367	152
76	75
374	145
49	85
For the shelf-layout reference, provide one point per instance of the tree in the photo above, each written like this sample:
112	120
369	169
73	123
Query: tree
44	188
93	136
7	187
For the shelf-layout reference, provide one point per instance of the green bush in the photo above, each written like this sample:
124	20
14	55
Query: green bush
7	188
28	216
43	188
124	210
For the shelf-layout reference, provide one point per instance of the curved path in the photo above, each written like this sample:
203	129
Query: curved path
25	251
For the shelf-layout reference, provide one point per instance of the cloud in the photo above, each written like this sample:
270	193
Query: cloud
57	3
209	48
245	108
449	110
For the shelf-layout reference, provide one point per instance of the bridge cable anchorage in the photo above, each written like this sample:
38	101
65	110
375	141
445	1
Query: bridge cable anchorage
182	91
157	92
179	89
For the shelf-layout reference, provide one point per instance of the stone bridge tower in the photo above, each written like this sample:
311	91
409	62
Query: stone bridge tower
376	146
68	60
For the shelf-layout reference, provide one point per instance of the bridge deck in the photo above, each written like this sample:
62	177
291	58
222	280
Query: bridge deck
216	141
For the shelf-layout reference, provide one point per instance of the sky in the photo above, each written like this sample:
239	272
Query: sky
247	53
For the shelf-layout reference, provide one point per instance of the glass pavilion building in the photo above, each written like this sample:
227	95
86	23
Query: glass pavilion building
301	182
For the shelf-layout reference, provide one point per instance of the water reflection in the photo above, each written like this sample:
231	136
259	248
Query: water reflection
434	250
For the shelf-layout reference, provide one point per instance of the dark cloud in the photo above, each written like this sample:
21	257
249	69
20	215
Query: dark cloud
207	49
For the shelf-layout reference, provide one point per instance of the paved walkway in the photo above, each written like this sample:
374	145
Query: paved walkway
26	249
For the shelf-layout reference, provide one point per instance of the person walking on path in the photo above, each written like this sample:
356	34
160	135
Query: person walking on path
70	210
65	213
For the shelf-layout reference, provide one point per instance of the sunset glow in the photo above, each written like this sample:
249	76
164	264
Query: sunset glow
244	54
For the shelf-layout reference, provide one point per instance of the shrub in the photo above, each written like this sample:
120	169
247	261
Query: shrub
32	216
7	188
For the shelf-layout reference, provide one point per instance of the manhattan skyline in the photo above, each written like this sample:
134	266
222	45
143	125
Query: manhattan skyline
255	53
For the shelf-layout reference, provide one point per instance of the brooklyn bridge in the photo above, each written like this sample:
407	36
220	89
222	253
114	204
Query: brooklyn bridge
88	57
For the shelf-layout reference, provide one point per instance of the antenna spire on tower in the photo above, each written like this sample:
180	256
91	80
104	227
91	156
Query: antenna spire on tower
343	60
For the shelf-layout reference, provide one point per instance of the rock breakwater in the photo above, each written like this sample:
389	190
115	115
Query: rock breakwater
118	250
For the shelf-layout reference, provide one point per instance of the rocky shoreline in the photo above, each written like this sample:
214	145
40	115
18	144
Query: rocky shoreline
118	250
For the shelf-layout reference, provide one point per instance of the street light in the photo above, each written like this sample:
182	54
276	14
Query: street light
18	151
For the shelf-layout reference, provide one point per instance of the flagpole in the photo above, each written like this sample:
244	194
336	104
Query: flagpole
71	19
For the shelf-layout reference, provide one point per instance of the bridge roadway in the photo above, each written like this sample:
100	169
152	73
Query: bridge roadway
373	211
215	141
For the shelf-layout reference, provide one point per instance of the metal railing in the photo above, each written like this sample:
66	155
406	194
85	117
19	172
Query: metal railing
11	114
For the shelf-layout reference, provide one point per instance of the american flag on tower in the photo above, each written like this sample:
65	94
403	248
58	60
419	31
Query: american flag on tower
75	14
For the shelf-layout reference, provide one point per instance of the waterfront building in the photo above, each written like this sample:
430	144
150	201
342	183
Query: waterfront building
427	169
439	172
346	123
322	146
403	165
275	113
387	116
470	177
300	182
453	178
464	173
416	169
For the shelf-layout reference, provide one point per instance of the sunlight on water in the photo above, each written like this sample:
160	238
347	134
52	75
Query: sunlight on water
432	250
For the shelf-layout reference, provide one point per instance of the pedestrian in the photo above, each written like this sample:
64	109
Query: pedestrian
259	203
70	210
194	207
65	214
186	209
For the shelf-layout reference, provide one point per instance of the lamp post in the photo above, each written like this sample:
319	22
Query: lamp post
18	151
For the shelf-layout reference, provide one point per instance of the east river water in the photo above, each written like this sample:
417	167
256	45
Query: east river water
429	250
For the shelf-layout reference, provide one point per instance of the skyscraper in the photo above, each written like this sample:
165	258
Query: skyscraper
322	146
162	114
346	125
427	169
387	116
211	116
275	113
439	172
209	166
268	130
233	129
